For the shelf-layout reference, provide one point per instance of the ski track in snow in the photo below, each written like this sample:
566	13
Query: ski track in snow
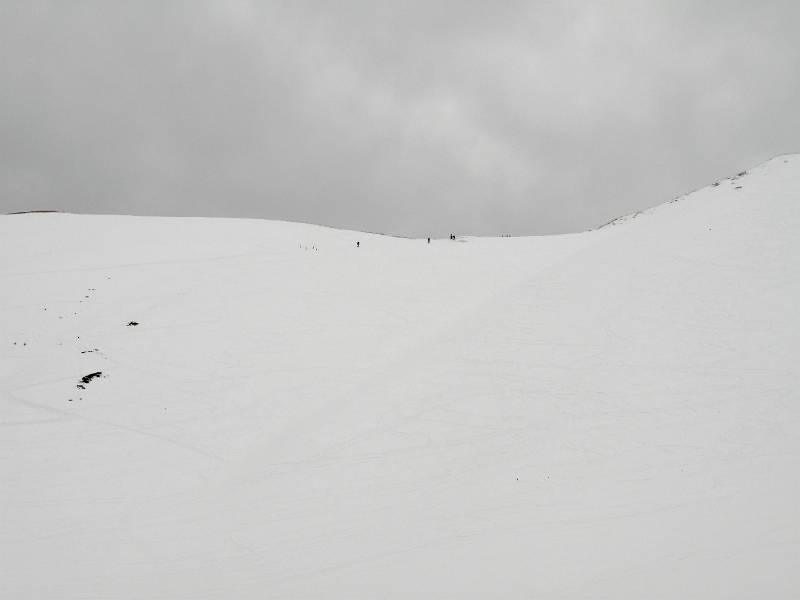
611	414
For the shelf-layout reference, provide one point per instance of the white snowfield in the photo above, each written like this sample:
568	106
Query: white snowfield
610	414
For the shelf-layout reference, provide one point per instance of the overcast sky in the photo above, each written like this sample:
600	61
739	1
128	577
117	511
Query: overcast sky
401	116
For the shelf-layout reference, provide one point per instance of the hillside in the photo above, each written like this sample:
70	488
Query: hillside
255	409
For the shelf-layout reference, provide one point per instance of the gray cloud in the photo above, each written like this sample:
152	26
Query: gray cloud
404	117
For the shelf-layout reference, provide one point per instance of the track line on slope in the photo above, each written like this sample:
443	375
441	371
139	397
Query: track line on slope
129	265
128	428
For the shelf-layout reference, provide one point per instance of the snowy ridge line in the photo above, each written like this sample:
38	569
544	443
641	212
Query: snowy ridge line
647	211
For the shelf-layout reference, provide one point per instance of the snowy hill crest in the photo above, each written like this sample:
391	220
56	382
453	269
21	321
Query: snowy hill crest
246	408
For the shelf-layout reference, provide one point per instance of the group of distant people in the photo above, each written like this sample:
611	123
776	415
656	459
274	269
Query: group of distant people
452	237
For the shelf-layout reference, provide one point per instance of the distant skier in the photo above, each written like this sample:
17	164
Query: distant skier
429	240
358	244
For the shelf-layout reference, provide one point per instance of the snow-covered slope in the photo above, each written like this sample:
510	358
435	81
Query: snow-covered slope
612	414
